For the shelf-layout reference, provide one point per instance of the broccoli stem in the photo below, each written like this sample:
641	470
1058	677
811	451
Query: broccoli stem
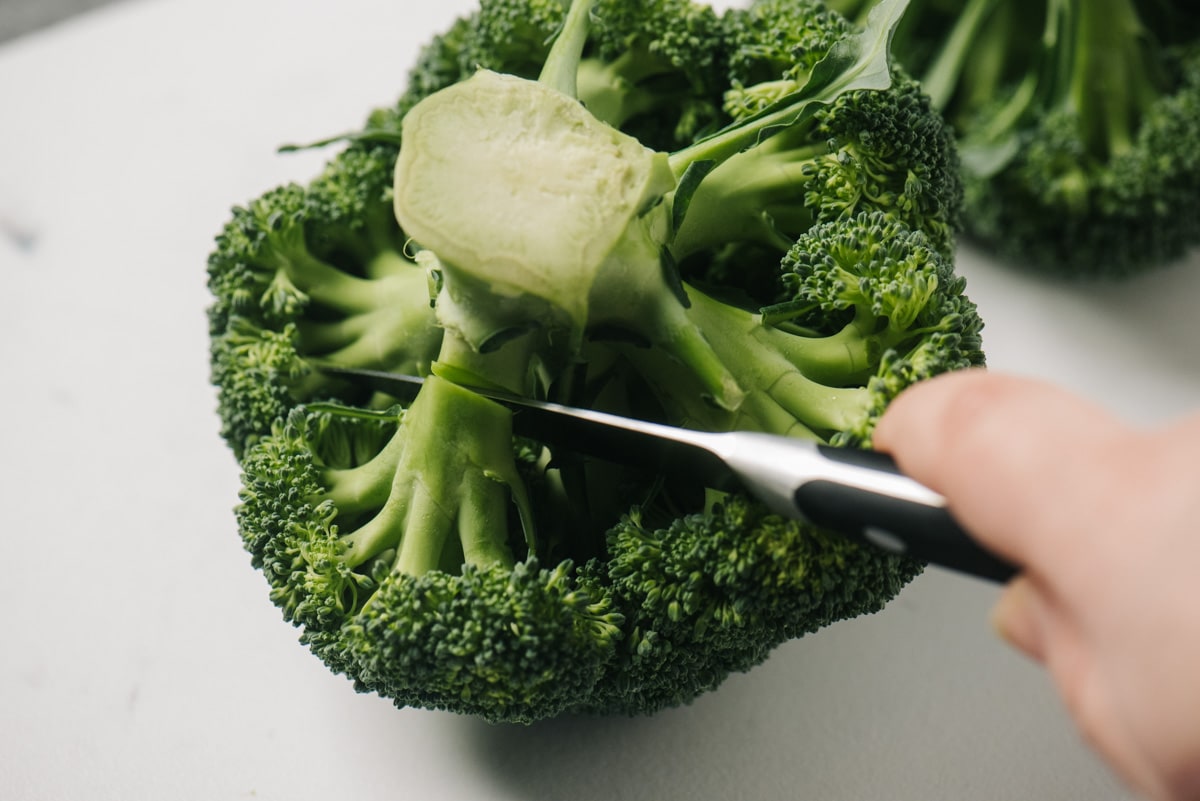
638	292
398	332
371	240
793	385
561	67
1113	81
610	89
298	269
1096	62
756	195
961	48
509	368
743	135
437	489
848	356
361	489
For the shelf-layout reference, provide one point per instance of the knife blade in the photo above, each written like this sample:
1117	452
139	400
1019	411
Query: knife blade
857	493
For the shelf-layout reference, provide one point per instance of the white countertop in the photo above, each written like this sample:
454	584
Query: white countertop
140	657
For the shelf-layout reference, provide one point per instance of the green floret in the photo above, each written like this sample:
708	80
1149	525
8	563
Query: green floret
864	150
653	69
307	274
714	593
507	643
774	45
1076	120
511	36
440	62
284	521
656	70
873	307
544	212
867	150
411	588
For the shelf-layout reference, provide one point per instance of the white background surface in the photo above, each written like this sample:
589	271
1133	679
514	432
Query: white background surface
139	656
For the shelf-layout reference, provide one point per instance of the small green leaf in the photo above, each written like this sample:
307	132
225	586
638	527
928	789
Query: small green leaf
672	279
689	182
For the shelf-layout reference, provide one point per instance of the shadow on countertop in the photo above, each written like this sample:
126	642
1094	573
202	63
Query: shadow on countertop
19	17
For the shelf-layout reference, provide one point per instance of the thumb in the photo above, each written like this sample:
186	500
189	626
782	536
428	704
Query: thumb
1004	451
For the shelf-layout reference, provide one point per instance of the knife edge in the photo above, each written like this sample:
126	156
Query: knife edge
609	437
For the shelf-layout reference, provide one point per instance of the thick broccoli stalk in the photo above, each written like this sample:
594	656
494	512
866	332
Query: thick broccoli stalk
312	274
1076	146
581	245
434	493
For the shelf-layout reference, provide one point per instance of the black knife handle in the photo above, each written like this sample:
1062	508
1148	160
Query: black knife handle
902	521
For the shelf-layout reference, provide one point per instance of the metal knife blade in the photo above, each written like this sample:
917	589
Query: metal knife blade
858	493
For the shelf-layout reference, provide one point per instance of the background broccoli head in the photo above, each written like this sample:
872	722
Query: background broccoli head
1076	121
784	265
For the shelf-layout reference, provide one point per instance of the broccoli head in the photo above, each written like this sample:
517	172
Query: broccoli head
718	221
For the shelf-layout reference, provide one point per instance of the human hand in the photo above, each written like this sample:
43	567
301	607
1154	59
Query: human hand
1104	521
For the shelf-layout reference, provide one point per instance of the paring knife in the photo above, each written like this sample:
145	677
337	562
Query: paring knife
858	493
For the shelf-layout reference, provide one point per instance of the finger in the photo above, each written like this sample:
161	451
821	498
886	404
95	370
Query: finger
1018	617
1027	618
1004	450
1088	699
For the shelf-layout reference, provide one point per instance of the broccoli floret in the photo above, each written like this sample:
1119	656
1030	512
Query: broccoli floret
308	274
1076	121
866	150
654	69
872	308
544	237
775	45
447	619
714	593
512	36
